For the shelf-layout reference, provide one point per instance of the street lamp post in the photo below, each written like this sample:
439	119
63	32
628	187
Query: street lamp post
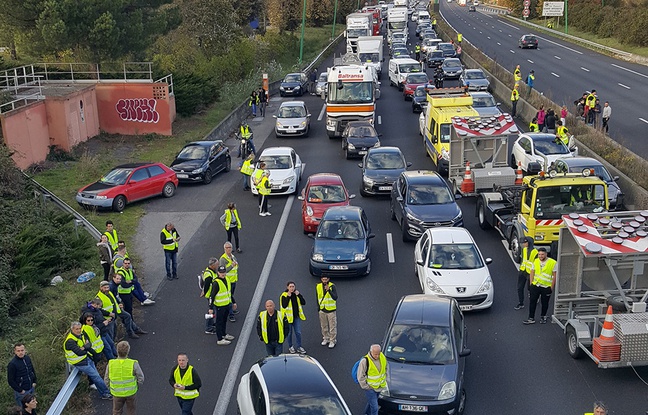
303	26
566	4
334	18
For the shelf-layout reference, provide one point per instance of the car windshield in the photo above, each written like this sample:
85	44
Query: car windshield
330	193
483	102
445	46
276	162
385	161
353	33
475	75
398	35
428	195
420	92
418	344
451	64
437	54
298	404
397	25
340	229
292	111
292	77
455	256
193	153
419	78
369	57
553	202
409	67
350	92
362	131
400	52
116	176
322	77
548	147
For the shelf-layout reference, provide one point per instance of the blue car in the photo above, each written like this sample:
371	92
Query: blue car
342	243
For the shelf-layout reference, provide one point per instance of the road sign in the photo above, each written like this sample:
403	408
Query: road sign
553	8
525	13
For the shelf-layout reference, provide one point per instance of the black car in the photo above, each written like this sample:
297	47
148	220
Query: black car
293	84
201	160
342	243
380	168
435	58
472	8
447	49
419	100
420	200
452	68
528	41
426	348
578	164
358	137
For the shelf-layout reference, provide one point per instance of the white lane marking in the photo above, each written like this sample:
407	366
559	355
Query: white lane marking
624	86
556	75
488	37
480	32
510	25
499	44
379	119
529	60
250	318
630	70
510	36
558	44
322	112
646	121
511	50
390	249
557	57
500	31
585	69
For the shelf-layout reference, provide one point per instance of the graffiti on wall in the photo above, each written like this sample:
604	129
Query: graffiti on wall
138	110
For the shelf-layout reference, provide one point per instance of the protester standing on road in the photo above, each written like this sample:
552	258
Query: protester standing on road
264	192
599	409
246	168
372	377
123	376
607	113
228	260
221	301
327	305
232	224
515	97
529	254
208	278
186	384
111	234
312	81
272	328
292	303
529	81
169	238
105	255
21	375
542	280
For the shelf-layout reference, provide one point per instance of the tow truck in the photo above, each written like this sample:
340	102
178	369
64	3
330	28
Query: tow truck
602	260
535	207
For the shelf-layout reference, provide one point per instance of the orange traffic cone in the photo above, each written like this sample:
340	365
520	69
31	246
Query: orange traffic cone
608	326
518	174
606	348
467	185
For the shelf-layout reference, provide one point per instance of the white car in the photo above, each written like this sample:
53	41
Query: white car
449	263
540	148
285	167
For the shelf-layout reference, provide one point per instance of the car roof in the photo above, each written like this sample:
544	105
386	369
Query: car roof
134	165
360	124
422	177
474	70
277	151
294	73
452	60
424	309
306	375
480	94
580	161
324	178
203	143
342	212
540	136
450	235
386	149
292	104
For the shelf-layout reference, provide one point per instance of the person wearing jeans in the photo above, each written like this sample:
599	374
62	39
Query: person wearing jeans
169	238
186	384
292	303
372	377
272	328
20	374
78	353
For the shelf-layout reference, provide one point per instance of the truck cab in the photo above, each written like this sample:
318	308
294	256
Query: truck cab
351	95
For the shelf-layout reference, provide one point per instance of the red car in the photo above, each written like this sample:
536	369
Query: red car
322	191
411	82
128	183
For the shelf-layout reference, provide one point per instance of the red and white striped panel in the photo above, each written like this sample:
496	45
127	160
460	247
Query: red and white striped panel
549	222
631	245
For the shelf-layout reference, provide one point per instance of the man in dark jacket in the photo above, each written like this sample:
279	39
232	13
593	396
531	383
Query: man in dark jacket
105	323
20	374
78	353
272	328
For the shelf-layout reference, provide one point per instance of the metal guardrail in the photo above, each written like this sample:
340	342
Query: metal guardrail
90	72
64	394
169	80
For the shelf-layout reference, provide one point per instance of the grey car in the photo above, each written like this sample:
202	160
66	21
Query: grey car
322	84
578	164
475	80
452	68
293	119
485	104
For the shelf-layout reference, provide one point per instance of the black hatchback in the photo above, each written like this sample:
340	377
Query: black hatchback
528	41
200	161
358	137
380	168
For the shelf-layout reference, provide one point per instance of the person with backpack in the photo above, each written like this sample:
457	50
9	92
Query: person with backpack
372	377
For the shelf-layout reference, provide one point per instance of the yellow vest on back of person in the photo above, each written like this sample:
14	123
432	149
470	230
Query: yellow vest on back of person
123	382
247	168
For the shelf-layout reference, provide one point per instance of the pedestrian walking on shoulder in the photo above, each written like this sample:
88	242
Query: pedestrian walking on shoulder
542	279
232	224
550	122
264	192
529	254
292	306
105	256
29	404
327	305
186	384
21	375
312	81
372	377
253	103
530	81
123	376
272	328
221	302
540	116
111	234
263	101
208	279
169	238
607	113
229	261
515	97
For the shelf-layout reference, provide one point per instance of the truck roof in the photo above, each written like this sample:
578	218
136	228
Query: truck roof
567	179
486	126
600	234
450	97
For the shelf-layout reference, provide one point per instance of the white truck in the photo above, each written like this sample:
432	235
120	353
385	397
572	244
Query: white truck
370	51
358	24
396	20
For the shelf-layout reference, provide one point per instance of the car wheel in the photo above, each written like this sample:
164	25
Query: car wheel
346	153
307	131
168	190
406	237
228	164
481	216
119	203
572	343
514	245
392	213
207	178
462	403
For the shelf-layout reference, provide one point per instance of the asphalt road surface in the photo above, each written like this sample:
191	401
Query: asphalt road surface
563	70
513	368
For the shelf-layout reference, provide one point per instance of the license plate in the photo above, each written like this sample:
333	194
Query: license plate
413	408
338	267
362	152
182	176
275	187
384	188
465	307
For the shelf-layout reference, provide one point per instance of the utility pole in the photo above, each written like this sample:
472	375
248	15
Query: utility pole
334	18
566	4
301	41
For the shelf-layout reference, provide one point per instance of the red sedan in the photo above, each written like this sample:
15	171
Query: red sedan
322	191
128	183
411	82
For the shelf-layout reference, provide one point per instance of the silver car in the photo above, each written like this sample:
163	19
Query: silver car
322	84
485	104
293	119
475	80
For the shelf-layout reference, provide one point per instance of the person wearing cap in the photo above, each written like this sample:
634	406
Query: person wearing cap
272	329
542	279
264	192
515	97
229	261
208	278
327	304
109	298
529	254
220	301
169	238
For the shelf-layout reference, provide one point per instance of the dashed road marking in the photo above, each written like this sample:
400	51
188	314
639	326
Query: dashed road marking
585	69
488	37
322	112
624	86
555	74
558	44
379	119
390	249
644	120
630	70
529	60
510	35
557	57
511	50
499	44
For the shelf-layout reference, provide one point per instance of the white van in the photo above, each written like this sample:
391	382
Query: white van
400	67
423	16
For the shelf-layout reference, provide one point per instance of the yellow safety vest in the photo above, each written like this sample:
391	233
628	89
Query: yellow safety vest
209	272
459	37
264	325
377	379
95	339
256	178
71	357
562	133
434	22
517	75
326	302
173	245
245	130
533	127
117	258
223	297
288	311
590	100
527	261
232	274
228	218
127	275
123	382
543	276
109	299
264	186
186	380
247	168
112	239
515	95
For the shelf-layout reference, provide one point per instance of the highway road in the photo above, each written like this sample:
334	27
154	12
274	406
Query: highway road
563	70
513	368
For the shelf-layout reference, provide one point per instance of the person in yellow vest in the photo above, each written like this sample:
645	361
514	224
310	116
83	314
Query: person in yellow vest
186	384
529	255
372	377
246	170
229	261
590	101
264	192
126	288
533	126
115	308
542	279
257	175
111	234
599	409
78	353
562	133
459	37
272	328
515	97
327	305
93	334
118	263
169	238
208	277
119	255
517	74
434	23
292	305
220	304
123	376
232	224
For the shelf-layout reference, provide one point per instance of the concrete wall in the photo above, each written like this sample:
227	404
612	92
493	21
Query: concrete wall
72	118
26	133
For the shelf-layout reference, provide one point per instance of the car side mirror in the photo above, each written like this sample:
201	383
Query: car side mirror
615	178
409	164
132	181
399	199
528	151
300	197
489	261
465	352
380	135
371	235
420	262
274	116
457	196
498	104
308	115
360	165
311	235
352	196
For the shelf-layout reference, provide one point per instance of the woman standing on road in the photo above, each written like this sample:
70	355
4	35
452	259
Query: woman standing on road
105	255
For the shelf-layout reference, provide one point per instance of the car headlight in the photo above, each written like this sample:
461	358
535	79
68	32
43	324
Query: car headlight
445	154
366	180
318	257
359	257
432	286
288	180
309	211
385	392
278	124
486	286
198	170
377	144
448	391
330	122
281	88
298	87
413	218
302	124
101	197
350	146
458	218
